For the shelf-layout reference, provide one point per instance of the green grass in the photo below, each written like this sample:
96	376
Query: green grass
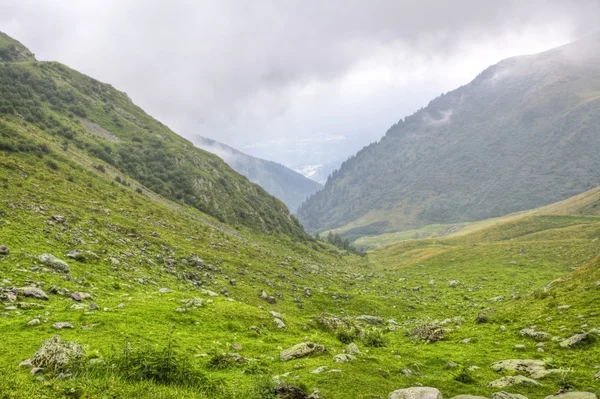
115	221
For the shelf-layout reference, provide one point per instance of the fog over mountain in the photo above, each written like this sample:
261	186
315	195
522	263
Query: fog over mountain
312	81
289	186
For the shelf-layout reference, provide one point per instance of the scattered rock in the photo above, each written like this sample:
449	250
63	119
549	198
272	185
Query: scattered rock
416	393
61	325
453	283
576	340
55	354
55	263
451	365
271	299
27	363
193	303
343	358
279	323
375	320
428	332
33	292
510	381
352	349
536	335
80	296
574	395
59	219
34	322
209	292
597	376
520	347
4	250
301	350
164	290
506	395
533	368
93	306
319	370
36	371
286	391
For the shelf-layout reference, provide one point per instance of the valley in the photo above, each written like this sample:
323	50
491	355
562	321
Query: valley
133	264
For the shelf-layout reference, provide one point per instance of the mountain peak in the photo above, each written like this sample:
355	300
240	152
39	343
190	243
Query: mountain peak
12	50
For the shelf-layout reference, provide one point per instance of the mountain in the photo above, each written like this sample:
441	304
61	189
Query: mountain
289	186
318	173
522	134
100	126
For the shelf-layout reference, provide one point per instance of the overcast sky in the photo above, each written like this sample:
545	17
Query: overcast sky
298	82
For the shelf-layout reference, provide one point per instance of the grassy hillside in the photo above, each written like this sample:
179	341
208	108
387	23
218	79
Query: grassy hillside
289	186
139	246
523	134
587	203
101	127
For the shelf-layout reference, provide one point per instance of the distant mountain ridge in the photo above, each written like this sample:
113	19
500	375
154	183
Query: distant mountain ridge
287	185
523	134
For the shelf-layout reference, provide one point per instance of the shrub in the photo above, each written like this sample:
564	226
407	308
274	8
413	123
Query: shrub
428	332
164	366
374	338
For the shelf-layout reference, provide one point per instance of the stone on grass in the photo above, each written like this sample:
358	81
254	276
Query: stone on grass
510	381
576	340
62	325
56	354
533	334
375	320
33	292
573	395
597	376
416	393
301	350
80	296
34	322
27	363
352	349
506	395
279	323
53	262
343	358
533	368
4	250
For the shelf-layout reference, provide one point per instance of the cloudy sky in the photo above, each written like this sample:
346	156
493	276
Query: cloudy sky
298	82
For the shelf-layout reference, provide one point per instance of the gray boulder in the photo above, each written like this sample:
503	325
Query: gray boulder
56	354
510	381
55	263
576	340
352	349
301	350
62	325
343	358
33	292
506	395
534	368
416	393
4	250
533	334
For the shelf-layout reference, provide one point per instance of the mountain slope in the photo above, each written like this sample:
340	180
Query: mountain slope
523	134
289	186
100	126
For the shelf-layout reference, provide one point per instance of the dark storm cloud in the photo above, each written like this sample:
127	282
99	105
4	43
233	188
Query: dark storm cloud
213	67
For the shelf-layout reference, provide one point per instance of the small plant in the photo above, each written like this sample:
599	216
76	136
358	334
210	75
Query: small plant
374	338
165	366
464	375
